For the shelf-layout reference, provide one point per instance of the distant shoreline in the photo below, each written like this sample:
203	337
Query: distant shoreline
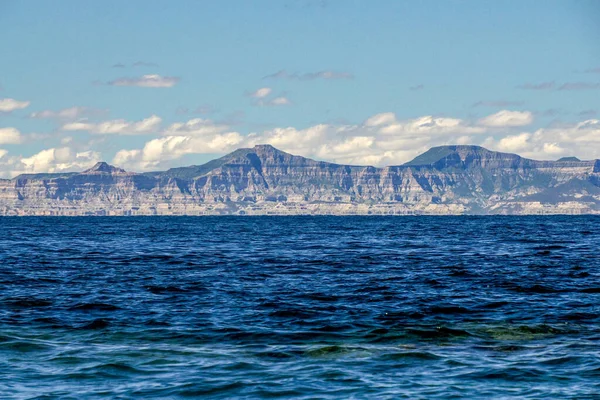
446	180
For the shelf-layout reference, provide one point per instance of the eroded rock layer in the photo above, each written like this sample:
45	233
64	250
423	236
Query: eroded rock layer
264	180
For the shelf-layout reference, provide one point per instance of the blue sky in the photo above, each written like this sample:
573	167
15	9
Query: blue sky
116	64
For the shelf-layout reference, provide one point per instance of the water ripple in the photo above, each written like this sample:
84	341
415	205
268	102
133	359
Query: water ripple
299	307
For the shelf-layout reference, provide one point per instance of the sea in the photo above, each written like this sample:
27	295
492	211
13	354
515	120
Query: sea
321	307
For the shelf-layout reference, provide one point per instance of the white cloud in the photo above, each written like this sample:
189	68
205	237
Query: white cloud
464	140
309	76
196	136
67	114
150	81
278	101
158	151
382	139
154	152
274	102
78	126
387	118
59	159
116	126
9	105
203	109
43	160
431	125
387	123
515	143
10	136
506	118
51	160
194	127
553	148
580	139
3	153
261	93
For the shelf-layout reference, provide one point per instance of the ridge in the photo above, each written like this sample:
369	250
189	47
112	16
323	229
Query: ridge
104	168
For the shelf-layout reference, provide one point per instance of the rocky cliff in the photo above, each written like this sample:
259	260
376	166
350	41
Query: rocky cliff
264	180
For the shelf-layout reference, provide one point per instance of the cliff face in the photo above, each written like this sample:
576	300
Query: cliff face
264	180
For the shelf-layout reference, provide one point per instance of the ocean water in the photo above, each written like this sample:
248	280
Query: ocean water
300	307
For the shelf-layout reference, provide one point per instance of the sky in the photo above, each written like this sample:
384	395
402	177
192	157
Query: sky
149	85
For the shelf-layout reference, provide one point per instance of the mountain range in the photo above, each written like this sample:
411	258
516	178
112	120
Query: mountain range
266	181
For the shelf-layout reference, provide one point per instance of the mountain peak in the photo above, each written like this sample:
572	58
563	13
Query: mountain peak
563	159
462	156
438	153
270	152
266	149
104	168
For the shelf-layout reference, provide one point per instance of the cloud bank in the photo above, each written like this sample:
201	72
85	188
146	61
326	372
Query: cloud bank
382	139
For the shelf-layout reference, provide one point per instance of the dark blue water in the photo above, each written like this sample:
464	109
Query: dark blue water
300	307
